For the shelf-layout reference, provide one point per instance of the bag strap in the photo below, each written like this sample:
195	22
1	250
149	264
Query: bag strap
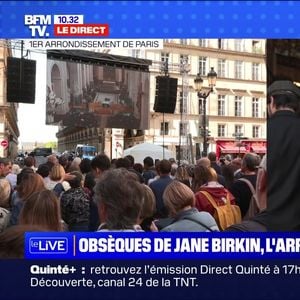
249	185
213	201
252	191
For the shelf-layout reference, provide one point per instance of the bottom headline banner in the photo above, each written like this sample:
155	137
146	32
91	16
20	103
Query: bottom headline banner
151	279
136	245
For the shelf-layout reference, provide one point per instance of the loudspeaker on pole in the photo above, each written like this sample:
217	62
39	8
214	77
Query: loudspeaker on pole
20	80
166	94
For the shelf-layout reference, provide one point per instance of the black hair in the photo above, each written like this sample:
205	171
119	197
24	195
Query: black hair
286	100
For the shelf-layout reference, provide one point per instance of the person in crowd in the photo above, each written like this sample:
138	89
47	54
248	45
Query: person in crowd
256	223
120	200
43	170
180	201
174	167
12	177
210	185
75	165
283	205
63	161
228	159
228	174
149	169
57	182
204	161
42	209
158	187
261	184
85	167
236	165
131	169
113	163
5	193
29	183
138	168
241	187
150	180
75	205
199	177
12	240
52	160
29	162
148	210
182	175
123	162
5	167
190	169
100	164
212	156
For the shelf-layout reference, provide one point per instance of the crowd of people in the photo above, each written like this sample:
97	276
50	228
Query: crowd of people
120	195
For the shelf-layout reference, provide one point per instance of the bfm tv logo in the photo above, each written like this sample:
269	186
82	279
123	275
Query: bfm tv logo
48	245
63	25
38	24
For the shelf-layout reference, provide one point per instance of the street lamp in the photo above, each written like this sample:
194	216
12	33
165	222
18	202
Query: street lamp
212	78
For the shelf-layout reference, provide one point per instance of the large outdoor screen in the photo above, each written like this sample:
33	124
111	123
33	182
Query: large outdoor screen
93	95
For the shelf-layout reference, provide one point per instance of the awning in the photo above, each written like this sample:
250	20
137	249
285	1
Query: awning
232	149
259	149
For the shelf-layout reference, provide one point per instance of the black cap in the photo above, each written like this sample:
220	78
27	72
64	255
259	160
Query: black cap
281	86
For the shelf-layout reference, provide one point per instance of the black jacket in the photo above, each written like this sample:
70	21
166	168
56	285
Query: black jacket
283	167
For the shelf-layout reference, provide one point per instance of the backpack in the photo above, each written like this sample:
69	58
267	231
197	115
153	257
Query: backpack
225	215
253	204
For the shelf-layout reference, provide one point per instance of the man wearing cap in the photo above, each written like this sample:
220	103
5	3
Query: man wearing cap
283	205
283	188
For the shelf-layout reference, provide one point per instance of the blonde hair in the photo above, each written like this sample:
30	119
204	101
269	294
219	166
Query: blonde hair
178	196
5	190
42	209
212	175
57	172
182	173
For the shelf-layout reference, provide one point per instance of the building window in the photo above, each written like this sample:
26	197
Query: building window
238	130
183	41
255	107
238	65
238	106
202	42
183	102
164	57
255	131
221	130
221	67
136	53
255	71
221	105
222	44
183	60
202	65
164	128
238	45
255	47
183	129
